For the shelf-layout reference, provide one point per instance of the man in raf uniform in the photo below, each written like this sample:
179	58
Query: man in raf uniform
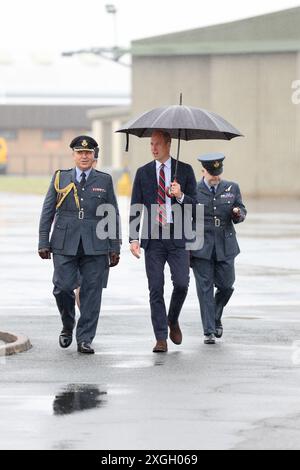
213	265
73	203
105	280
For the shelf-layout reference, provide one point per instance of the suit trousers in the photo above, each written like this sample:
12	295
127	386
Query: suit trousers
208	275
157	254
92	270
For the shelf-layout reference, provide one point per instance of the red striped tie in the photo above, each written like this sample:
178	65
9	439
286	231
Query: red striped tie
161	198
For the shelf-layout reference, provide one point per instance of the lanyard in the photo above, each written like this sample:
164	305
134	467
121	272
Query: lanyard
64	192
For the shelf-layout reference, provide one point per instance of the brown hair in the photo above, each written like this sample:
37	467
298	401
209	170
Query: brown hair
166	135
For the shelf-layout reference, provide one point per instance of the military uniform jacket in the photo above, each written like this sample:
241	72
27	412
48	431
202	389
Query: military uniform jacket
219	231
70	227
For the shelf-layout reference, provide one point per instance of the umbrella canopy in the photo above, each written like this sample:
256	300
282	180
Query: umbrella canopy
184	122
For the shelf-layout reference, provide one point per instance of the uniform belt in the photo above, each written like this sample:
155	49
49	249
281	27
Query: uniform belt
77	215
216	222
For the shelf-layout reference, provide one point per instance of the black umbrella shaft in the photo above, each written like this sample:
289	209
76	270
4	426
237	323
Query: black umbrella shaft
178	154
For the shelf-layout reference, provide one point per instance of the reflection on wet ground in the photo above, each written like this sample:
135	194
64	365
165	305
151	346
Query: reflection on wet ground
77	397
146	360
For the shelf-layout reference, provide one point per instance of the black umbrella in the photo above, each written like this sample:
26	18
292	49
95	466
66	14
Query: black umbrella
182	123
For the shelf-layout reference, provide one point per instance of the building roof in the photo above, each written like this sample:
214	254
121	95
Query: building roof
110	112
274	32
88	81
44	117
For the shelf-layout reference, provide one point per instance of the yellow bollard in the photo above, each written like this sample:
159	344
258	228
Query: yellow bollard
3	156
124	184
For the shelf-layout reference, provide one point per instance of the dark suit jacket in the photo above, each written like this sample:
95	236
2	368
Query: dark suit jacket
222	239
68	228
144	194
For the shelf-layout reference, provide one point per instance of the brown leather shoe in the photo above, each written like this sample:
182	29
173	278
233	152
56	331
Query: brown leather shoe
161	347
175	333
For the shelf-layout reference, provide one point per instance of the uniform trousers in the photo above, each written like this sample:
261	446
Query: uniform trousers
92	269
208	275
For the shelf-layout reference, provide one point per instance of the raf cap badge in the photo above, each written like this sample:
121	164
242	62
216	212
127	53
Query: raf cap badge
216	165
84	143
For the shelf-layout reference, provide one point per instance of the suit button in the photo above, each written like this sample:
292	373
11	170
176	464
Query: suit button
215	208
82	189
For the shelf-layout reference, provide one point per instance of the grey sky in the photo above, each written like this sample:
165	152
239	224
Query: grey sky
56	25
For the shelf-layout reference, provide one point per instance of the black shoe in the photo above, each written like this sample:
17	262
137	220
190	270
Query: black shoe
210	339
219	331
65	339
85	348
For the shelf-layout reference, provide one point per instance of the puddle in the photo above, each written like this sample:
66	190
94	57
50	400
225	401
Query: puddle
76	397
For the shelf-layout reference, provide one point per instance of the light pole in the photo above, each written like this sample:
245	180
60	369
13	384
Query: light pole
114	53
112	10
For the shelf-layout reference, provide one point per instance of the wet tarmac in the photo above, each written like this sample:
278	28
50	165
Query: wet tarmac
241	394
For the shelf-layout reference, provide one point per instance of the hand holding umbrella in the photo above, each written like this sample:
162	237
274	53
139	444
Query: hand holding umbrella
174	190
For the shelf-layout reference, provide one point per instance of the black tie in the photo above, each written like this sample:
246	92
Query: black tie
83	180
213	190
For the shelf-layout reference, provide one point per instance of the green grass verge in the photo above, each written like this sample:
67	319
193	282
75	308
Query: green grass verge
24	184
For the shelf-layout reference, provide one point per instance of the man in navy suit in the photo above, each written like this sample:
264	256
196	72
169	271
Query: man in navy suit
160	234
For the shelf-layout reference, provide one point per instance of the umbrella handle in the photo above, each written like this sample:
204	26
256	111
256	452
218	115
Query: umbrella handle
168	190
